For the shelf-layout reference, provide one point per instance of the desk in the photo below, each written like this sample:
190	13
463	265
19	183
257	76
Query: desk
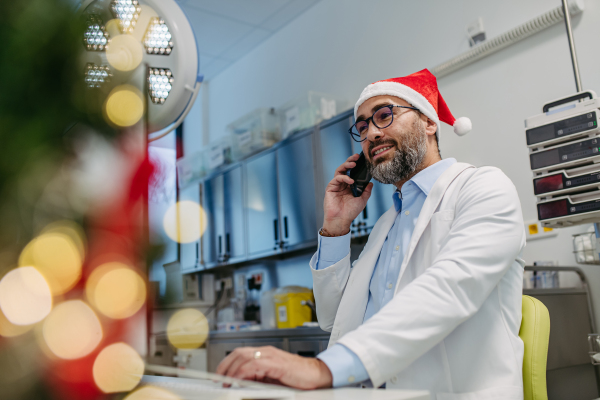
195	389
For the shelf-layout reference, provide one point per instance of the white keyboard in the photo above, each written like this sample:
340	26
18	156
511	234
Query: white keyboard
196	389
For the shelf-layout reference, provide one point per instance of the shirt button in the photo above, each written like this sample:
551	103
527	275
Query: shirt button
351	379
389	286
406	212
394	379
397	248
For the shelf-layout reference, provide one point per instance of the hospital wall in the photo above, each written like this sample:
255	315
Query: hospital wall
340	46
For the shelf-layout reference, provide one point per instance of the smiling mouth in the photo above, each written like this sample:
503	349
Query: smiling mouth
381	151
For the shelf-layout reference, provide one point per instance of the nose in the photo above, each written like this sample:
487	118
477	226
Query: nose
373	133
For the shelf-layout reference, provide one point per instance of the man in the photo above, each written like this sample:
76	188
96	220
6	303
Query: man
434	300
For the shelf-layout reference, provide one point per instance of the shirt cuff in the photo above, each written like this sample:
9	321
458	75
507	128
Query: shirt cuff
332	250
345	366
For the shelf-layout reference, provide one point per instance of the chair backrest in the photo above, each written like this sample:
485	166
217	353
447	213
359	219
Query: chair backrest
535	333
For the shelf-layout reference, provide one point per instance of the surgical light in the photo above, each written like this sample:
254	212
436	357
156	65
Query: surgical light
128	12
97	75
155	41
158	38
160	83
95	37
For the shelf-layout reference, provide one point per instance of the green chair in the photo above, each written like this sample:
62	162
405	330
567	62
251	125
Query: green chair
535	333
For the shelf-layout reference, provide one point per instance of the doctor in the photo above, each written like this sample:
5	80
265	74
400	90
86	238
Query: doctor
434	300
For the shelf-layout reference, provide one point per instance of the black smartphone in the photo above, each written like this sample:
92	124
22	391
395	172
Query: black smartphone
361	175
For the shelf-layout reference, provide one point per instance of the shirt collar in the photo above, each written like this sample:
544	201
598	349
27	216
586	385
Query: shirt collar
424	180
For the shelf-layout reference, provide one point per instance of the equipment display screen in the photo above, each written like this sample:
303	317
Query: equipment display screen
559	181
560	155
561	208
566	127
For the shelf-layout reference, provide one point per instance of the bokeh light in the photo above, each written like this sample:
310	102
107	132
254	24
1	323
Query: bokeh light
187	329
125	52
116	290
8	329
124	106
185	221
151	393
72	330
118	368
25	296
57	256
73	230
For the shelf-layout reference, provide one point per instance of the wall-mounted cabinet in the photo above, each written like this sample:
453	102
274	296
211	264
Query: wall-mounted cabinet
272	202
189	252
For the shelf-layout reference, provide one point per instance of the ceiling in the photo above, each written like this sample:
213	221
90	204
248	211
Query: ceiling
226	30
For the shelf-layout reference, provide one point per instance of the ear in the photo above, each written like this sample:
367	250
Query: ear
430	126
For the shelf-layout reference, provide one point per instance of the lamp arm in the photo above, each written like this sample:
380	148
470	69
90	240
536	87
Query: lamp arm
195	90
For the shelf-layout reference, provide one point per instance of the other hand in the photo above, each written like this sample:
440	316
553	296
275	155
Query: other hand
340	205
271	365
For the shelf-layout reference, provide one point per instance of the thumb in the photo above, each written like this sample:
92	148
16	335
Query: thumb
368	190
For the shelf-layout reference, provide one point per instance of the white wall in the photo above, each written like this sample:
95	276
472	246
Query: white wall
340	46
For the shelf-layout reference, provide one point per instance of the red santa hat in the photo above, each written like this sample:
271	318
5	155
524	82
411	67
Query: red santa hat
421	91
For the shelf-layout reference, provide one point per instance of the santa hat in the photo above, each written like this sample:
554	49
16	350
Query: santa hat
421	91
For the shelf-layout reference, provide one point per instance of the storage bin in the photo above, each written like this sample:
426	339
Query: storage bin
307	111
289	308
254	132
585	248
219	153
191	168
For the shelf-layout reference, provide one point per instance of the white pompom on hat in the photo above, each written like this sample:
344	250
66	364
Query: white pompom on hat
421	91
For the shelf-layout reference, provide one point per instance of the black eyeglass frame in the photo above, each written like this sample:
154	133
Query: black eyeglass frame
390	106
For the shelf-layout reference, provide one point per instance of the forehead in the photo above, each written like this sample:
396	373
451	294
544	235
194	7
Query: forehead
368	107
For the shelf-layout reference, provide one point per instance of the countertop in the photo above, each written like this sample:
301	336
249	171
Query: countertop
270	333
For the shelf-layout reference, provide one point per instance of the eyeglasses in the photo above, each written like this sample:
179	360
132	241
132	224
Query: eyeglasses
381	118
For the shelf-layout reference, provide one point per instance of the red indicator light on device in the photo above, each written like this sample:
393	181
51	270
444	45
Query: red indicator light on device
548	184
552	209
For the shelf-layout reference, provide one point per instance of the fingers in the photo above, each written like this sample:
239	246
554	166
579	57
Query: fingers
348	164
339	183
368	189
231	359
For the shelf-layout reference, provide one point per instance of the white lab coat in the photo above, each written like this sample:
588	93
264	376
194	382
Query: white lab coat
452	326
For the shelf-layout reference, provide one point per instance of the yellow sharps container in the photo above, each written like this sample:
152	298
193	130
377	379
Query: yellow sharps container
289	310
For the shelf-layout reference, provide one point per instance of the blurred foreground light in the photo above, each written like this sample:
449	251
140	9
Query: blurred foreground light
118	368
125	53
25	296
8	329
187	329
71	229
57	256
72	330
151	393
124	106
185	221
116	290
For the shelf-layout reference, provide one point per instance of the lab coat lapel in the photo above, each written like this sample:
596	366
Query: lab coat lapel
431	203
354	302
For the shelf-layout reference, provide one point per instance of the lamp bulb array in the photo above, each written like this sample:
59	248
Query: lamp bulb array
158	38
160	82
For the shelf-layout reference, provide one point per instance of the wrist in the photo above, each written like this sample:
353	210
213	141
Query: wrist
332	229
326	233
325	378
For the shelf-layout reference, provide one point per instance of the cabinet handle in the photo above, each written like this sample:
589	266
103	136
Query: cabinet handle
285	228
365	213
197	251
220	246
227	247
275	229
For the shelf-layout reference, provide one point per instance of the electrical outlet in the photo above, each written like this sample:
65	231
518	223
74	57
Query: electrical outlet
476	32
534	230
228	282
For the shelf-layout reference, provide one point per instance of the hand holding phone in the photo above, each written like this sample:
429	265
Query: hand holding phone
361	176
345	196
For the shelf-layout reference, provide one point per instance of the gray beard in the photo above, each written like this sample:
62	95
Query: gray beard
408	157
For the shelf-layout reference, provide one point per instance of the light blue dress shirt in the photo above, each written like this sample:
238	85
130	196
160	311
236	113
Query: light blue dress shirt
346	368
